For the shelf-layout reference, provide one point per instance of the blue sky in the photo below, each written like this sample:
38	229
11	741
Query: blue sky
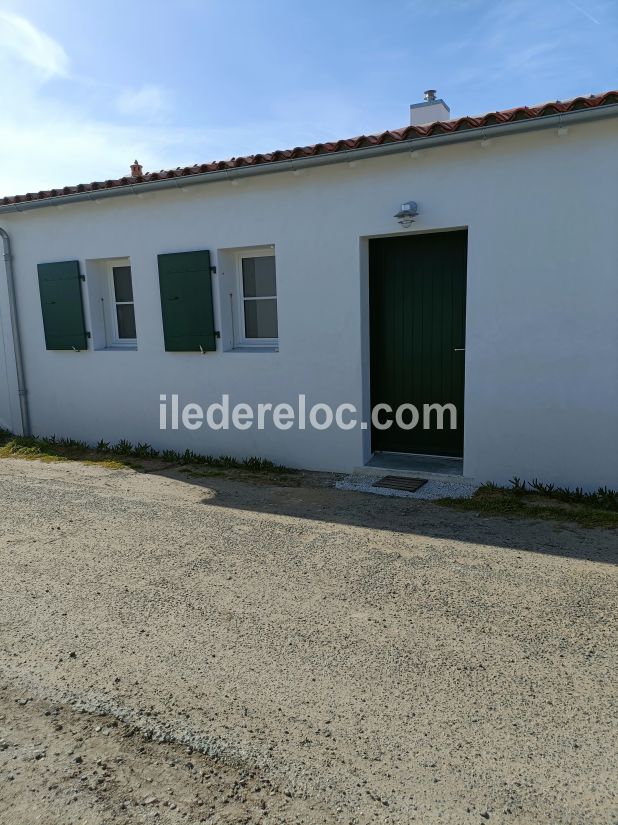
88	86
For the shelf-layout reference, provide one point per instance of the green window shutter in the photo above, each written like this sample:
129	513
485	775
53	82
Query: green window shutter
61	303
186	302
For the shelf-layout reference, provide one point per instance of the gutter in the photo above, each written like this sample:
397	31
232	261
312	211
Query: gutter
558	120
19	361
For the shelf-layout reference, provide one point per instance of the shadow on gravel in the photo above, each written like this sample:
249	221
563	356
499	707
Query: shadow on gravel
318	502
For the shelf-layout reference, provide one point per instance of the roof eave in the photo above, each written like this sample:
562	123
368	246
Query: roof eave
342	156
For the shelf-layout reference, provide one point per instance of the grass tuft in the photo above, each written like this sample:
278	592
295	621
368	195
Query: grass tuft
539	500
119	454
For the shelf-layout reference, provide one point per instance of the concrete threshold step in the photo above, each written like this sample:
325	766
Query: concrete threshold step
374	470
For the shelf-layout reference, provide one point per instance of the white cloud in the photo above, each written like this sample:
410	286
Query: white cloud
542	48
147	102
584	12
65	151
23	41
48	140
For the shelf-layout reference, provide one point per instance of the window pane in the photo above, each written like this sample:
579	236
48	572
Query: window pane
123	288
126	321
258	277
261	318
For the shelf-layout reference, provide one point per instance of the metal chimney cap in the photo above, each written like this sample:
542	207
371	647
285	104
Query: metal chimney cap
429	95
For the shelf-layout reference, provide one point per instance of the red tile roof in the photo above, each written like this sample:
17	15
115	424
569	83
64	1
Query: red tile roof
362	142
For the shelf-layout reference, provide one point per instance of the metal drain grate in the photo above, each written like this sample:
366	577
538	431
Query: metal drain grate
410	485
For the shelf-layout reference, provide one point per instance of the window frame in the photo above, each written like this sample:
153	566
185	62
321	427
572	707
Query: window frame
114	340
241	339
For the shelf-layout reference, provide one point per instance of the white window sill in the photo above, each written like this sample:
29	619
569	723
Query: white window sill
251	348
119	348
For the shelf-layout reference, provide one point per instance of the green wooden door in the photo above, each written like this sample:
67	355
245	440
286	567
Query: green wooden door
417	294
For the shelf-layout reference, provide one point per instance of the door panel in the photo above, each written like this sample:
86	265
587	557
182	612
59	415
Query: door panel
417	322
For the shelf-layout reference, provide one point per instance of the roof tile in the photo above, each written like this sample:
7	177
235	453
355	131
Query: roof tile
392	136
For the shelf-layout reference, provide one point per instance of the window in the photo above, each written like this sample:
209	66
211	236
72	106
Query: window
123	332
258	296
109	292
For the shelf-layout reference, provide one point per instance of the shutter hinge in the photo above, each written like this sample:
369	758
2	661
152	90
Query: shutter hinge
213	269
88	335
82	277
217	334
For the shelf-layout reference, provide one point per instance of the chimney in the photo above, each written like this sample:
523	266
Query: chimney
136	170
430	110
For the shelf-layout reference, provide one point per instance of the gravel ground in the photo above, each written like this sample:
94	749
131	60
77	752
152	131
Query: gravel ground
366	659
61	766
433	490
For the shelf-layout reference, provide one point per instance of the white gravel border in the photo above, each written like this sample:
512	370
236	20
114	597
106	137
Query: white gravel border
434	489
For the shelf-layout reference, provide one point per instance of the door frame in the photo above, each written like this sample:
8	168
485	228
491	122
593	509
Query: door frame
367	450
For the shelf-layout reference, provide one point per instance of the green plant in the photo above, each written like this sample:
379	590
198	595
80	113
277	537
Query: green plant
263	465
122	447
540	500
145	451
50	448
171	456
518	485
539	487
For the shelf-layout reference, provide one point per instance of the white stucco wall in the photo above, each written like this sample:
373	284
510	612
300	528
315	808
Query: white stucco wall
542	332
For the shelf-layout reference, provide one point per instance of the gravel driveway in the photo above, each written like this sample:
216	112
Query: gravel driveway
373	659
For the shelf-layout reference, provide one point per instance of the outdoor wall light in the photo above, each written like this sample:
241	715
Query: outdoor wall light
407	213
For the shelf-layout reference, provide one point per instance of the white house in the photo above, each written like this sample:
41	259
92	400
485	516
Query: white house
297	273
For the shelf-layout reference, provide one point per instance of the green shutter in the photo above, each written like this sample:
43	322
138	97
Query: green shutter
186	302
61	303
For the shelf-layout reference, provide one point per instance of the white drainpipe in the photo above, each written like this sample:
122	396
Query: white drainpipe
19	361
